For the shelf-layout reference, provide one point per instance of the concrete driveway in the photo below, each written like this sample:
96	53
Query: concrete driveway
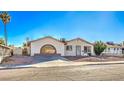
46	61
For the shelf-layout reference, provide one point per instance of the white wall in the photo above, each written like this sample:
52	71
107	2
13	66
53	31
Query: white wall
112	51
74	44
17	51
36	46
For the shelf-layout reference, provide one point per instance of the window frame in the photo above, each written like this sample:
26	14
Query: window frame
88	49
69	48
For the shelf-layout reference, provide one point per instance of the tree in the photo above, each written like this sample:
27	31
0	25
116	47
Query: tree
24	44
99	47
27	42
25	50
5	19
2	41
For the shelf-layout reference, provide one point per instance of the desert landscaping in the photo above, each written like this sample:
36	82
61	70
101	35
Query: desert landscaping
15	60
59	55
28	68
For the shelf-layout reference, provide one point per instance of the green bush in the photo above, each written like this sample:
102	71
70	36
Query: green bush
99	47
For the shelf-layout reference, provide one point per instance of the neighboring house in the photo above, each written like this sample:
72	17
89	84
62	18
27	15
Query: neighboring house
50	45
4	52
114	50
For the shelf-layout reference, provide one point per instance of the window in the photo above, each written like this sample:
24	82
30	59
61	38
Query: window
69	48
87	49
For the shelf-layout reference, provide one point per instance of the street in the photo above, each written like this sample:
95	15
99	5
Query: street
111	72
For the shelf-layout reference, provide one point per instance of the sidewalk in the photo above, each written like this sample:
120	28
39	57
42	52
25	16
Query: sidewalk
69	63
60	63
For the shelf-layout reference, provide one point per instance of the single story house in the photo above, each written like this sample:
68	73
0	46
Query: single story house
114	50
50	45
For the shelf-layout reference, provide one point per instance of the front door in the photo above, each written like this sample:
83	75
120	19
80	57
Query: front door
78	50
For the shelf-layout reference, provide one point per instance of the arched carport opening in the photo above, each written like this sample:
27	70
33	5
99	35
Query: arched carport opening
48	49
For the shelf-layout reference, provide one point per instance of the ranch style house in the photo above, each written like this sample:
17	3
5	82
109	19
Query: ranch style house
75	47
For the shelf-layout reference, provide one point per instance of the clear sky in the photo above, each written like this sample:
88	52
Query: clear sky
92	26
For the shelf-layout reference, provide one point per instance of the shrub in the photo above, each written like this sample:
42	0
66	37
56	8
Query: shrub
99	47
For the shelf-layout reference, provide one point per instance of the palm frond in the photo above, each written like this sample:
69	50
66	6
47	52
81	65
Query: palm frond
5	17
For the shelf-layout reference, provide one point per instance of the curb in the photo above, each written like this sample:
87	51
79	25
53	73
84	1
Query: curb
59	65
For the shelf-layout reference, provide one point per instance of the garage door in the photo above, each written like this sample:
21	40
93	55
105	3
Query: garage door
48	49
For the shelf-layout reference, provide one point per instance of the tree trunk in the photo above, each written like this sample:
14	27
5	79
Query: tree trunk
5	33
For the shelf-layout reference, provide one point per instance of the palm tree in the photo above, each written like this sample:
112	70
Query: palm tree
6	19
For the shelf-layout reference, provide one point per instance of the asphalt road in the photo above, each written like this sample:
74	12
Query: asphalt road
113	72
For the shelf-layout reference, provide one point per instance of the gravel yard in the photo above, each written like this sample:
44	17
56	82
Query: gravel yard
95	59
32	60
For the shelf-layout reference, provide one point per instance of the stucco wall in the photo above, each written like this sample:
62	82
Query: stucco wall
74	44
4	52
36	46
113	51
17	51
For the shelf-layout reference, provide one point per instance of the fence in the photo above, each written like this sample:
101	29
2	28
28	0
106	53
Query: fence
4	52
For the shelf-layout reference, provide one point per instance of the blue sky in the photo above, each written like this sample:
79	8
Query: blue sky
92	26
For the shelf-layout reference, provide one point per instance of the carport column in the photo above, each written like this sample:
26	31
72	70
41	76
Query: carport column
92	50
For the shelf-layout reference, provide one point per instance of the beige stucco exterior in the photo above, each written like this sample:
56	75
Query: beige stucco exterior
38	44
75	43
60	47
